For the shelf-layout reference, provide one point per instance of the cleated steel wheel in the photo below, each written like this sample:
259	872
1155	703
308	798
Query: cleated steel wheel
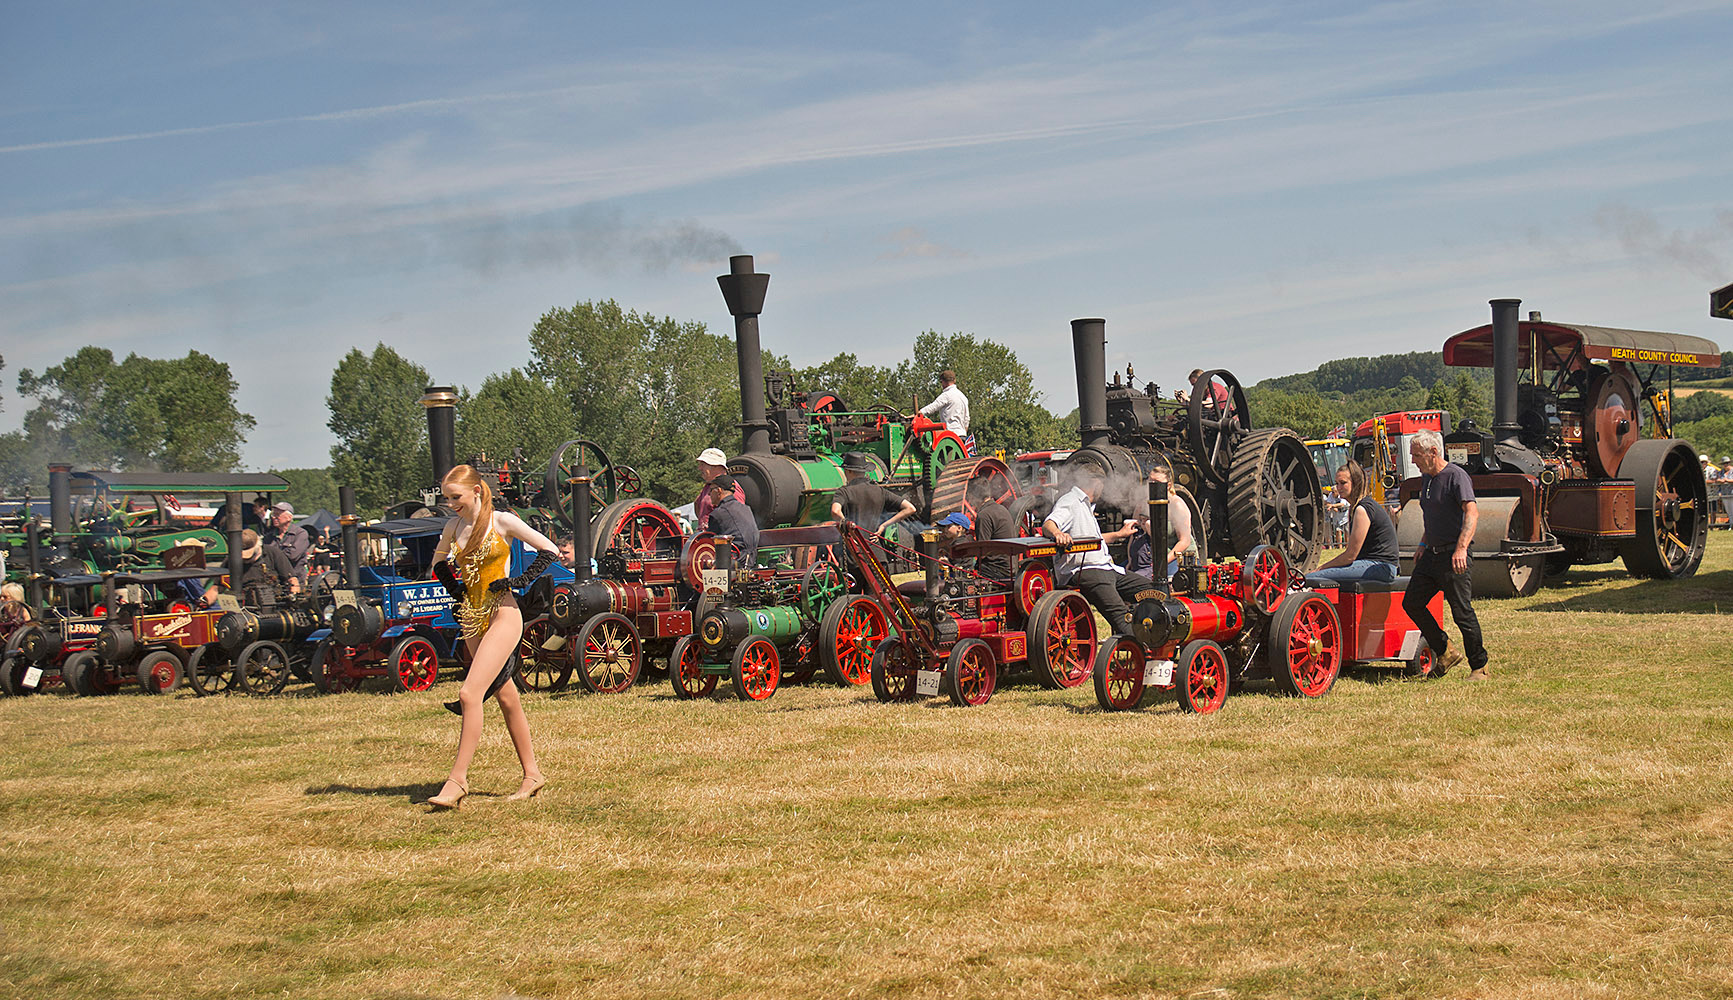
1273	497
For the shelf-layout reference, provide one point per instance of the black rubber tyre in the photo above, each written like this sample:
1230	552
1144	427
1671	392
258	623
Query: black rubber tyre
1672	510
160	672
76	673
1273	497
1118	672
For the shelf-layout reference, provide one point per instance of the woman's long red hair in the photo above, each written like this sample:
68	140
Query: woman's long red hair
464	477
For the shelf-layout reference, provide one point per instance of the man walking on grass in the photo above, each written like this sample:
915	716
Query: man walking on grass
1449	514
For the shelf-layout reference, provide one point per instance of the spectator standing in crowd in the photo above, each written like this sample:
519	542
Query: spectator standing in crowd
950	407
1140	551
1106	586
729	516
290	538
1449	516
1371	547
711	463
865	502
266	574
1710	473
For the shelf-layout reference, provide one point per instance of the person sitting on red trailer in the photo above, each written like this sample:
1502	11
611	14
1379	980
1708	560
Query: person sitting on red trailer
1101	581
1371	552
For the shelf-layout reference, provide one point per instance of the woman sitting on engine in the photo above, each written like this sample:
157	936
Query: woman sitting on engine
1371	551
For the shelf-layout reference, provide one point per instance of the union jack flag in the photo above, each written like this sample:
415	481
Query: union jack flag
1341	431
969	446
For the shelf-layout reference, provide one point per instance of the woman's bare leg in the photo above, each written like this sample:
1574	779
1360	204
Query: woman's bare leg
488	655
512	707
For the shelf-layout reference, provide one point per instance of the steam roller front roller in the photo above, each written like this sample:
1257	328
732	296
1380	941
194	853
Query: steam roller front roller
1273	496
1496	567
1672	510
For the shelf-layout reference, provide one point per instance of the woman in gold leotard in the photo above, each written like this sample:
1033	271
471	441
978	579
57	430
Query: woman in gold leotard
478	542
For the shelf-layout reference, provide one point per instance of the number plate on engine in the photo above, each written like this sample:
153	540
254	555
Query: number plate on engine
1457	453
1158	673
716	581
927	682
32	677
343	597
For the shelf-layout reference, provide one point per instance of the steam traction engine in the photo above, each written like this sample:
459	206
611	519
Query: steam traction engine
791	459
1567	475
1246	487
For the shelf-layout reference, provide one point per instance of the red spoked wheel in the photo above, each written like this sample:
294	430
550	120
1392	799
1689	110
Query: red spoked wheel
971	673
160	672
332	667
1062	639
685	670
852	629
1118	674
414	663
638	529
542	668
1034	581
1305	645
757	669
611	654
1265	577
893	671
1201	676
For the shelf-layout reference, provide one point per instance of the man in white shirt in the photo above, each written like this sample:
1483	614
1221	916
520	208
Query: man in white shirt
1103	583
950	407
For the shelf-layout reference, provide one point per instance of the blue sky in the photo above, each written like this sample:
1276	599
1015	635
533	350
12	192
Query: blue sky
1256	187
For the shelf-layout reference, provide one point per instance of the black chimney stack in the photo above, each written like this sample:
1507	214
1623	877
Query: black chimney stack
441	403
232	525
1505	428
351	536
743	290
60	502
1158	501
1089	347
583	542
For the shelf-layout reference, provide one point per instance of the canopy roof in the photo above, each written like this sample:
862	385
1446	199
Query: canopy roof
177	482
1560	343
406	527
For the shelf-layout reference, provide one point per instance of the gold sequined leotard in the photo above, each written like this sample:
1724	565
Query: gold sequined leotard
480	567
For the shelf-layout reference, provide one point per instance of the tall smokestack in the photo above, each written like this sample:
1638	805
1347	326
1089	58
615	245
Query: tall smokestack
743	290
441	403
1089	347
60	502
351	536
232	526
1505	428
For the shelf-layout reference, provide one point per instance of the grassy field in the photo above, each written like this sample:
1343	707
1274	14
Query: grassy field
1564	831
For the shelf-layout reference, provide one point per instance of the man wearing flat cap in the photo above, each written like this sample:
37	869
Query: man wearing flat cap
289	538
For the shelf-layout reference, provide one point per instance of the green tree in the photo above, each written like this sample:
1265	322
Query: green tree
310	489
1305	413
381	428
176	415
988	372
511	412
1701	405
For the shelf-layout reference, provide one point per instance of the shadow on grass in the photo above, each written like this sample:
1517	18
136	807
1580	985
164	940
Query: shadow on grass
1705	593
416	793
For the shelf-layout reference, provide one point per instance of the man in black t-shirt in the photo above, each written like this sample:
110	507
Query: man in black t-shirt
865	502
992	520
1450	515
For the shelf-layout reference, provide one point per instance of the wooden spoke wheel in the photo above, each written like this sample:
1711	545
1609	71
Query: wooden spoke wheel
609	654
893	671
1118	672
1062	639
1305	645
160	672
333	668
638	529
851	631
1273	496
541	668
685	670
262	668
1216	419
1265	577
756	669
1672	510
1200	677
414	663
970	673
557	489
211	671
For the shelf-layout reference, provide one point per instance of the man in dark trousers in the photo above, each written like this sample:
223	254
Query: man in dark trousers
728	516
1449	513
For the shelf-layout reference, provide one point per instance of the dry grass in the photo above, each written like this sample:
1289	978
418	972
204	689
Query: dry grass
1566	831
